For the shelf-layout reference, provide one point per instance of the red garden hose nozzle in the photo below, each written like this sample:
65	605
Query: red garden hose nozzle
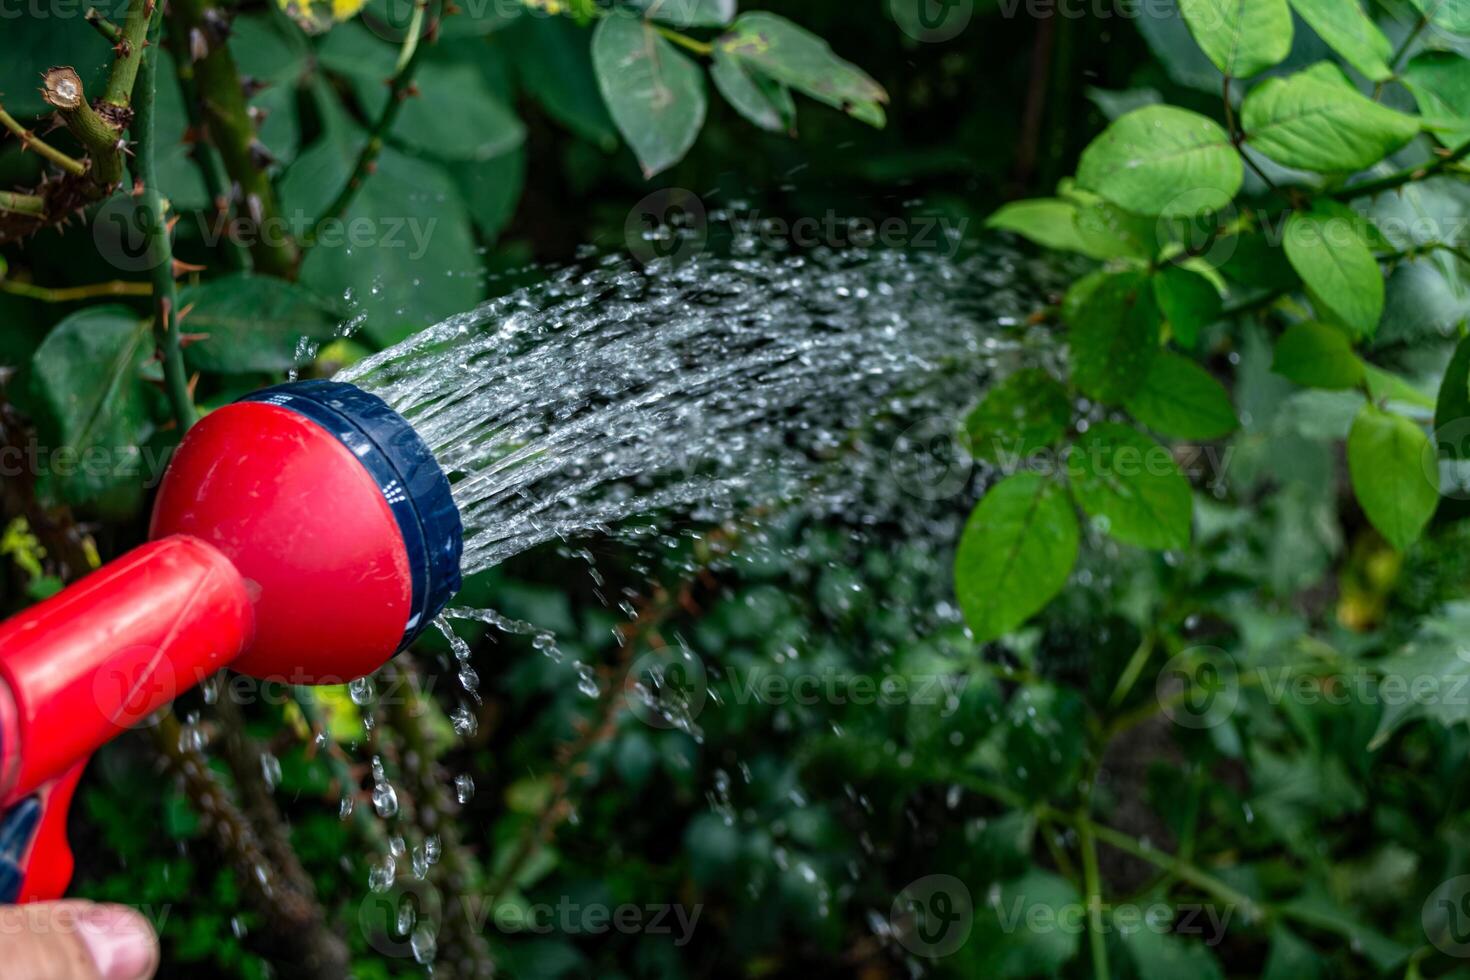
304	534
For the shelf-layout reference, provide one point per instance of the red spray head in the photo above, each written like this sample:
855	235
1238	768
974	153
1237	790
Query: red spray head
305	534
337	517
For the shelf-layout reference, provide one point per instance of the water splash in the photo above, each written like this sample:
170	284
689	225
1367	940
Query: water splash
605	393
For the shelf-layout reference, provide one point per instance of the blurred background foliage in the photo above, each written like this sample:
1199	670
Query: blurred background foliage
1322	829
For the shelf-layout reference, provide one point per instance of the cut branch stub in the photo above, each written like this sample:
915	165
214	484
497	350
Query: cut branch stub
99	132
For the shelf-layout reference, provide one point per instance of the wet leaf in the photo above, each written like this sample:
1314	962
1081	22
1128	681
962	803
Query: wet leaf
654	92
1131	487
1386	460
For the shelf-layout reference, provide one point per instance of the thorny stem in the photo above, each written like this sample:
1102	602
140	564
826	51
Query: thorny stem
399	91
165	299
135	31
30	141
211	167
226	114
109	31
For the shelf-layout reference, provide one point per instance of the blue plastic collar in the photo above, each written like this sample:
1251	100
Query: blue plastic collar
407	474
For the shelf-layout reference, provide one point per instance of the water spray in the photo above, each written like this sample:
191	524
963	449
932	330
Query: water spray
304	534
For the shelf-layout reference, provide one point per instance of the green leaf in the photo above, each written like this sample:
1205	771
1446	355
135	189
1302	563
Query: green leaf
1114	336
1349	31
1440	83
404	253
1316	120
553	63
1017	550
1162	160
1327	250
88	374
1027	411
1131	486
253	323
1181	399
1003	947
1241	37
798	58
1316	355
1435	665
1452	408
1159	955
761	100
1291	958
1386	456
1385	387
689	13
491	189
1048	221
654	92
455	116
1109	232
1447	15
1187	301
1315	909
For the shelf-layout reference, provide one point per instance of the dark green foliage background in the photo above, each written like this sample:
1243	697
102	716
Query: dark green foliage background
1335	821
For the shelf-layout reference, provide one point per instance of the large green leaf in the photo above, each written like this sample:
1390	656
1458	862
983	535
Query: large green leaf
654	92
554	65
1327	250
1386	455
1181	399
454	116
1026	412
1162	160
1241	37
1348	30
1131	487
1018	548
491	189
1316	120
88	374
1159	955
253	323
1188	302
1317	355
798	58
1114	336
1440	83
762	100
404	254
1447	15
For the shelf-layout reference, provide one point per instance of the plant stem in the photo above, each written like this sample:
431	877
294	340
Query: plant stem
1130	673
30	141
1403	51
702	48
1396	180
398	93
165	300
226	114
1092	884
105	27
71	294
211	167
135	31
22	203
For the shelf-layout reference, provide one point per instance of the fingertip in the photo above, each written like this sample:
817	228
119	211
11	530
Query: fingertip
121	942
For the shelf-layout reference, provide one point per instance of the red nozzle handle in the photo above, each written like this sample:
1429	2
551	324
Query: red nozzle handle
86	665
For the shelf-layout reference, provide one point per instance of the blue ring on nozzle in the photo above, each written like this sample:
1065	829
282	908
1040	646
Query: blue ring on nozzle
407	474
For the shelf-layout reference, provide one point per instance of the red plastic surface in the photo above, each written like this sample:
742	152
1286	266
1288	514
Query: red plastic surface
308	529
49	863
103	655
